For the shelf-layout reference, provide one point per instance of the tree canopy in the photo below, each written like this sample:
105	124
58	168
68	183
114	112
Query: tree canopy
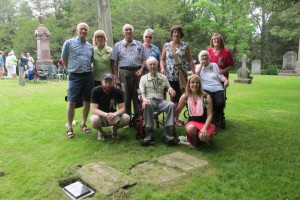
261	29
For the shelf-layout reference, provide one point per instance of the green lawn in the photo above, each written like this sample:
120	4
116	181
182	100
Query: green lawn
256	157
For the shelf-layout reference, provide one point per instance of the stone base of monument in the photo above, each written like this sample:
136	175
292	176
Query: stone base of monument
288	73
244	80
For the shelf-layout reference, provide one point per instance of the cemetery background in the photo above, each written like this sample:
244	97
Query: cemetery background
270	29
256	157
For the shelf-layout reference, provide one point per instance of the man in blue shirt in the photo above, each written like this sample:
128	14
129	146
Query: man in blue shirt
77	56
129	61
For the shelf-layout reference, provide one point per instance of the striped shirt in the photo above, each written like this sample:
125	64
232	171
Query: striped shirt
78	54
128	55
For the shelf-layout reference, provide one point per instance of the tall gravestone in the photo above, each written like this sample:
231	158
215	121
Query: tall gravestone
256	67
42	36
288	63
298	61
243	73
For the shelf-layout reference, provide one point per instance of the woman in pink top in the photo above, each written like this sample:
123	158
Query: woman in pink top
220	55
200	111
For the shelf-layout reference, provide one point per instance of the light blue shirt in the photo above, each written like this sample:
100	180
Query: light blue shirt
128	55
1	61
78	54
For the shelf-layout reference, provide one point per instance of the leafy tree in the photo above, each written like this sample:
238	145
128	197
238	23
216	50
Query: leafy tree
159	15
219	16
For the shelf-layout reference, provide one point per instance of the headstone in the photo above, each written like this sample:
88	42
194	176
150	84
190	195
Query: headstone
289	60
289	64
104	179
256	67
42	36
298	61
243	73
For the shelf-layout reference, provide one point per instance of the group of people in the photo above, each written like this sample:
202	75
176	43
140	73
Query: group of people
96	69
11	64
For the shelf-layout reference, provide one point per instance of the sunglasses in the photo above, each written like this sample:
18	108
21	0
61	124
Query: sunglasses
150	37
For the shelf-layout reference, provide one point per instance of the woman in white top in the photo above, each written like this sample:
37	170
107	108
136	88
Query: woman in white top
213	83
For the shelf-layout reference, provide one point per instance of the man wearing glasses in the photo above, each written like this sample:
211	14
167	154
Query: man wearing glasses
129	61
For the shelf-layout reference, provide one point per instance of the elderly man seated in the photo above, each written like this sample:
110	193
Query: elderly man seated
152	87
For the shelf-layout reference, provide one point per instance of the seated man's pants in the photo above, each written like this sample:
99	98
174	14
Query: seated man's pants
159	105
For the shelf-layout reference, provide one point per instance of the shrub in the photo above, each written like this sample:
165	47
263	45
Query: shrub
270	70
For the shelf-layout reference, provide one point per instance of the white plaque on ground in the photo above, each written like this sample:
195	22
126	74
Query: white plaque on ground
78	191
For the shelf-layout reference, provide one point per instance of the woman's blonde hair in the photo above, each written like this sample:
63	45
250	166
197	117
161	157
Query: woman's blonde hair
99	33
188	89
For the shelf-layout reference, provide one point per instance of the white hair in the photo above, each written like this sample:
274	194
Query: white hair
148	31
127	26
151	59
82	24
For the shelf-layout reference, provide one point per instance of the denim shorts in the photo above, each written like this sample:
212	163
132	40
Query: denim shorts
80	85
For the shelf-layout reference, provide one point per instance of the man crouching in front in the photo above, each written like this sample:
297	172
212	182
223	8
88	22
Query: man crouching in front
104	100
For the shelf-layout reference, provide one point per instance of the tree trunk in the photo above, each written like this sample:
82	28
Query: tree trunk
104	17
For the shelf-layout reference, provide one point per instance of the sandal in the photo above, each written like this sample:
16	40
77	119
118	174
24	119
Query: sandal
84	128
70	133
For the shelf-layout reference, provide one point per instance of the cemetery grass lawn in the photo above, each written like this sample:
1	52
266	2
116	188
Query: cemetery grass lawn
256	157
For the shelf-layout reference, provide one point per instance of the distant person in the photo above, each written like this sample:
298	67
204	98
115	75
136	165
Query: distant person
129	61
168	64
13	62
8	66
29	72
77	57
102	54
220	55
200	110
30	61
1	64
23	63
152	87
150	48
105	100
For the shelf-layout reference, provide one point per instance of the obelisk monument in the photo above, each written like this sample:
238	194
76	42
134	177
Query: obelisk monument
42	36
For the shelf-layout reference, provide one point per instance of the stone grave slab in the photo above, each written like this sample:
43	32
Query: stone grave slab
182	160
104	179
155	172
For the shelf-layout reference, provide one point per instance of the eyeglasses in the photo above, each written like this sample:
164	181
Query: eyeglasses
150	37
